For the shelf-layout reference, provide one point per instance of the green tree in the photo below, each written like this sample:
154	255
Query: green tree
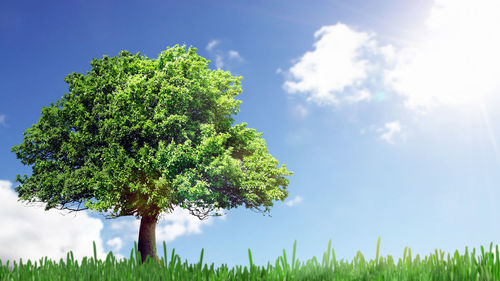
139	136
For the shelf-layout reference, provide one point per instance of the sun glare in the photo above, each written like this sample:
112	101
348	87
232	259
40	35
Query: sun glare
456	60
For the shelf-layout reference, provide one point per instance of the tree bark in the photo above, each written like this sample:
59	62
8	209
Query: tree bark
147	239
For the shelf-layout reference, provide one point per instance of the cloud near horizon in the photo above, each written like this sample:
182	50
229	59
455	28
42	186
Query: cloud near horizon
178	223
30	232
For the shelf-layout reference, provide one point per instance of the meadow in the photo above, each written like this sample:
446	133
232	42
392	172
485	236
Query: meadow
435	267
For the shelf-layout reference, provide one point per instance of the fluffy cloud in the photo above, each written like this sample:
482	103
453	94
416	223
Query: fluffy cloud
115	243
2	119
30	232
358	96
453	61
294	201
338	67
390	131
178	223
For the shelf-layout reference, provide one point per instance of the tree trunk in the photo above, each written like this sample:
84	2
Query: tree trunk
147	239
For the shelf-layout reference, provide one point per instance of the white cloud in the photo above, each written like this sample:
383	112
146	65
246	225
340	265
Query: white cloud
124	223
294	201
128	227
178	223
455	61
115	243
30	232
212	44
390	131
358	96
219	61
336	69
234	55
388	53
223	58
2	119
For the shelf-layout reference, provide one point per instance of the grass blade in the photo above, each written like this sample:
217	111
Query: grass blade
378	248
164	254
250	258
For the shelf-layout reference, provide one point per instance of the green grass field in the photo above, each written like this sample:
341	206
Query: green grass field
435	267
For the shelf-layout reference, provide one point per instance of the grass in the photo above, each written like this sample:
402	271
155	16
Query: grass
435	267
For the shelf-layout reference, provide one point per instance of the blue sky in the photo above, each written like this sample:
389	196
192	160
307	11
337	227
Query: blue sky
385	111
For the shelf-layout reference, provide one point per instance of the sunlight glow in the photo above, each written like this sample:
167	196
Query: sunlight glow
456	61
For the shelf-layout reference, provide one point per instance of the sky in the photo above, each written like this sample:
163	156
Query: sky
384	110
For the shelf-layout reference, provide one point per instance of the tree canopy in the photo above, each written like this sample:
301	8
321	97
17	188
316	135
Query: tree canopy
139	136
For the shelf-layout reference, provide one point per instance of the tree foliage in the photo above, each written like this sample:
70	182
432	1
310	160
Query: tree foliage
139	136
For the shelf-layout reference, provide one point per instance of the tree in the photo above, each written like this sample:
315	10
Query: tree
139	136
